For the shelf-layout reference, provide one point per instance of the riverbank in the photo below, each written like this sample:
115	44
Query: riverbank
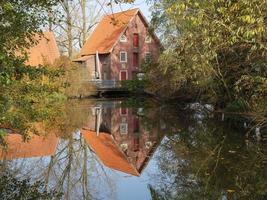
250	121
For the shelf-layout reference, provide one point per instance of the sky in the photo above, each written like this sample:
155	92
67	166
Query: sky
144	7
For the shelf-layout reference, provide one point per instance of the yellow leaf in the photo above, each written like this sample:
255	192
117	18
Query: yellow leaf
230	191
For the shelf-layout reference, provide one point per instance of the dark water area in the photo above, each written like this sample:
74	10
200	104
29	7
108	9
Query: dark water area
132	149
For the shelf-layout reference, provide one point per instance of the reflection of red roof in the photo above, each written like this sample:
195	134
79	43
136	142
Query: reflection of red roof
45	52
107	32
37	146
107	151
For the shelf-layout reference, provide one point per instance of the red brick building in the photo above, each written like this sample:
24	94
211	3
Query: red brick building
118	46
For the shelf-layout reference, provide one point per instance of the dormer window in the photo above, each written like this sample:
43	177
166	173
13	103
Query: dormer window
148	39
123	38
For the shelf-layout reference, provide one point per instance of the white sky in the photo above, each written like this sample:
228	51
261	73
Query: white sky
141	4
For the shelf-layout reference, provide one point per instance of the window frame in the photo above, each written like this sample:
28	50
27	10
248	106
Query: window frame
124	126
148	39
126	57
123	38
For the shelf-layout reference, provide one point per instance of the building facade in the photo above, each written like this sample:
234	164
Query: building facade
118	46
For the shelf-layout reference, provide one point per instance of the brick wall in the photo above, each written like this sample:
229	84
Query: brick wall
137	25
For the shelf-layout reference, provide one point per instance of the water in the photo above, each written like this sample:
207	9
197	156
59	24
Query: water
134	150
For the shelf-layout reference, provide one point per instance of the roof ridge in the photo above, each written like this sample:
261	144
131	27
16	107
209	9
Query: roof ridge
107	32
122	12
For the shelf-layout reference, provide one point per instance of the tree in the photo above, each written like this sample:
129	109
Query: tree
25	96
74	22
216	50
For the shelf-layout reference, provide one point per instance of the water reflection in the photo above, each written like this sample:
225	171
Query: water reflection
120	132
37	146
134	150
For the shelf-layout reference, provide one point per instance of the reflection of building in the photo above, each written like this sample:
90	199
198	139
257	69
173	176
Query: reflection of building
107	151
119	133
37	146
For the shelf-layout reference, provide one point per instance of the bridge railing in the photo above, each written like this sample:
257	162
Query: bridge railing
106	83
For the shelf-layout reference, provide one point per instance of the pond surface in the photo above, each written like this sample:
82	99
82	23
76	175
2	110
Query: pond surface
135	150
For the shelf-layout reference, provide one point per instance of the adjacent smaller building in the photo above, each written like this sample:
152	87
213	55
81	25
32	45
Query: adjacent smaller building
45	52
117	47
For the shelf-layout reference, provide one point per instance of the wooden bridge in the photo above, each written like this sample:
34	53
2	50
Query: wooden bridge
107	85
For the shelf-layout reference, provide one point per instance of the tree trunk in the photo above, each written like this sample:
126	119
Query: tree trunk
84	22
69	29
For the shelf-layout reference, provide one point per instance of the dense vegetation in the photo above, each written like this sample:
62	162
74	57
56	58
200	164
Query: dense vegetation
216	50
28	94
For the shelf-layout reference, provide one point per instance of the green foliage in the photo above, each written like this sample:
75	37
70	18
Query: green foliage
20	20
28	94
214	49
76	78
134	85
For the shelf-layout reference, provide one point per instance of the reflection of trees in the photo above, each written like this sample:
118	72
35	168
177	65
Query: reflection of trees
14	188
75	167
199	159
73	170
207	160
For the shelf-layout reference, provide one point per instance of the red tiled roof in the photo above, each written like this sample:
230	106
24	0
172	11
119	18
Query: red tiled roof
37	146
107	32
84	58
107	151
45	52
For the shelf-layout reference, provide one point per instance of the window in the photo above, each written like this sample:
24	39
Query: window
123	75
123	119
135	59
124	147
148	39
135	40
148	145
148	57
123	38
123	56
124	111
123	65
124	128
